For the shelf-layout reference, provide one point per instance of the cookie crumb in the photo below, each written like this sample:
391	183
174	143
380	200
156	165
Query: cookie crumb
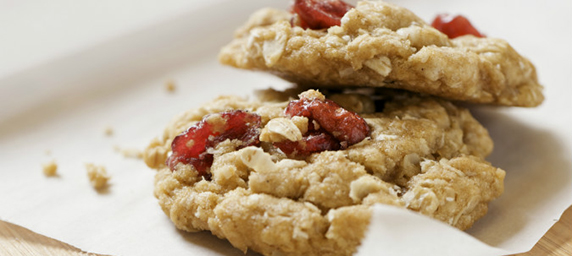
155	154
50	168
129	152
170	86
97	175
108	131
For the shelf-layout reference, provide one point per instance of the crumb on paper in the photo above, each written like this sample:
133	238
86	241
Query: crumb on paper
170	86
156	153
108	131
48	152
97	175
129	152
132	153
50	168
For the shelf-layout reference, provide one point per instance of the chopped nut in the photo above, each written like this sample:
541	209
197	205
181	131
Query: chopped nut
97	175
301	122
316	124
381	65
272	50
312	94
364	186
257	159
50	168
280	129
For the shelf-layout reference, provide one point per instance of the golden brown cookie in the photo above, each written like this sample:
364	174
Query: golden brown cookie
420	153
382	45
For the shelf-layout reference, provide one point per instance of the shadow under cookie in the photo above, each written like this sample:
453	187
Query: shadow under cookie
537	168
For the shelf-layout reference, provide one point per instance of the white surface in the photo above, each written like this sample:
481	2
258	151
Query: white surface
62	99
394	231
35	32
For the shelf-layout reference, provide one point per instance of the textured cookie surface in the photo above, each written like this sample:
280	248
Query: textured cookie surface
382	45
422	153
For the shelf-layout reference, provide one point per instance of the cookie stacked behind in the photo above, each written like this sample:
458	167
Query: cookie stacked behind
421	152
382	45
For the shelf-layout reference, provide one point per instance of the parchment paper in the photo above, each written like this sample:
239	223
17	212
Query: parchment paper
65	106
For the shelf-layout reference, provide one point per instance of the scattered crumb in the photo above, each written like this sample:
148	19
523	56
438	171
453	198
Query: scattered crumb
97	175
108	131
50	168
170	86
129	152
156	153
132	153
48	152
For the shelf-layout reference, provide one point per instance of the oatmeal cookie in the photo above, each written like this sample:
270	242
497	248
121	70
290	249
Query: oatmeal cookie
382	45
417	152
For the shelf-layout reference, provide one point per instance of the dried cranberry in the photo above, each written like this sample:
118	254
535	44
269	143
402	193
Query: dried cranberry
455	26
346	126
311	143
319	14
336	127
191	146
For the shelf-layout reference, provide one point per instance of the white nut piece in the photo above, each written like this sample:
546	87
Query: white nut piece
301	122
280	129
272	49
364	186
381	65
312	94
256	159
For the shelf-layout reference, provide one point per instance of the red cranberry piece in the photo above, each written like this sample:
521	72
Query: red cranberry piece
319	14
346	126
336	127
455	26
312	143
191	146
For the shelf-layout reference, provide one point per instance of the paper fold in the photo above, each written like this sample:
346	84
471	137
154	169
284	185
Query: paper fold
396	231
